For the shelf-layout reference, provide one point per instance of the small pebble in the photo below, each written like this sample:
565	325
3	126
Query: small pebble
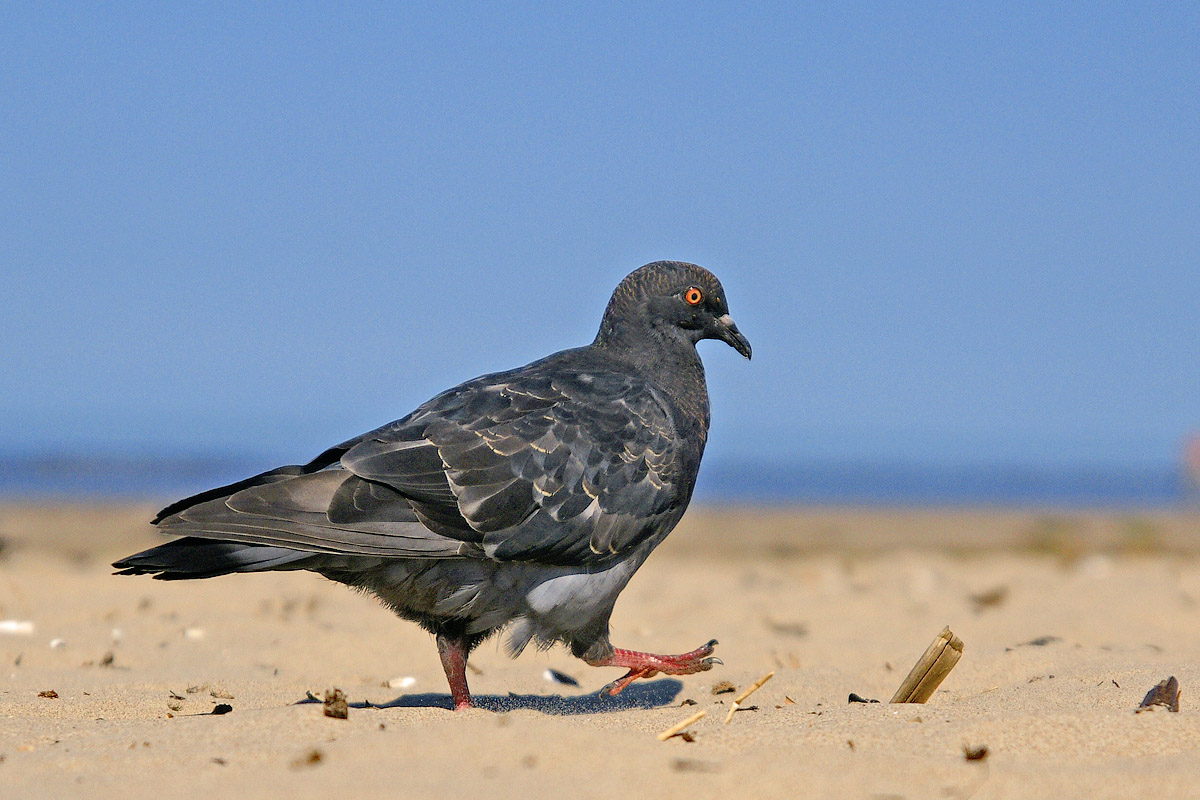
336	705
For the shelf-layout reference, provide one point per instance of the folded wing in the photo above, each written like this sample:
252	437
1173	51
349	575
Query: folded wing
550	466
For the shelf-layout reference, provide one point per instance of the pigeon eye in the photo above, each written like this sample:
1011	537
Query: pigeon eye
693	296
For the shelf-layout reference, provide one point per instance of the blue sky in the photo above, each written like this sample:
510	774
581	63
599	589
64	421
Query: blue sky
953	234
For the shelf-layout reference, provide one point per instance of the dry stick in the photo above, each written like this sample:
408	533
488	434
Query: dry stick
931	669
754	687
675	730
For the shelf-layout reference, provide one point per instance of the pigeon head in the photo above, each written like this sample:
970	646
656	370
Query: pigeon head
670	300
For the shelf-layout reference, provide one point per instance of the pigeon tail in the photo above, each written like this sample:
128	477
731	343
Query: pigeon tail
191	558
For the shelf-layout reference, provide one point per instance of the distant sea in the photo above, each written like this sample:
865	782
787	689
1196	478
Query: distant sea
753	483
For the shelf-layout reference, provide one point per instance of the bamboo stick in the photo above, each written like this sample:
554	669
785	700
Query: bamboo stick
675	730
931	669
751	689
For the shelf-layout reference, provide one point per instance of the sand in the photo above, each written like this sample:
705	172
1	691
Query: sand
833	601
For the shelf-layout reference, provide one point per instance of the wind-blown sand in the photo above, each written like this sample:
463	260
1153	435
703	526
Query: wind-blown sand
834	601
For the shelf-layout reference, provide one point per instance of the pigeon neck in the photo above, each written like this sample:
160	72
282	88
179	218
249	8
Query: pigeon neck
667	359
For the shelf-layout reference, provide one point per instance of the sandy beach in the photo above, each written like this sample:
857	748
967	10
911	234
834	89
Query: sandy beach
1068	618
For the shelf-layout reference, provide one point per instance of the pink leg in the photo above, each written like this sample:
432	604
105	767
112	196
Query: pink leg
454	662
647	665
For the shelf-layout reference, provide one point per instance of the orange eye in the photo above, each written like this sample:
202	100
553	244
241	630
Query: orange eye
693	296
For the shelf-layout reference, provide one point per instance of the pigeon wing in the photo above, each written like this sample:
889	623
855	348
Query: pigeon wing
327	511
569	468
566	467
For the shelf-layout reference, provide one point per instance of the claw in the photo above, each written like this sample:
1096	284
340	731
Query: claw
616	687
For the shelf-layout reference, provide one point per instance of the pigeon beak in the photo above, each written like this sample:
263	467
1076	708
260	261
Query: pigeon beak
728	332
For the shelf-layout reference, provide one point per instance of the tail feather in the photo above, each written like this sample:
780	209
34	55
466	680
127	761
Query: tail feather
192	557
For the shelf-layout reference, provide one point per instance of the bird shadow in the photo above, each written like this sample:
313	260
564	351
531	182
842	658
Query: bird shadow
649	694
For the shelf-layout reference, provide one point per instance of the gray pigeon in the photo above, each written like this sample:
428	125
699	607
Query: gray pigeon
522	500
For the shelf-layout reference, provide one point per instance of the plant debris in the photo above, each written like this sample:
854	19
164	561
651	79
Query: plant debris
975	753
1165	693
680	728
310	759
856	699
796	629
335	704
751	689
723	687
992	598
53	695
931	669
1040	641
792	661
222	708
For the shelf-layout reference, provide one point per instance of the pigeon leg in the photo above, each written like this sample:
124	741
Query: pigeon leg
647	665
453	653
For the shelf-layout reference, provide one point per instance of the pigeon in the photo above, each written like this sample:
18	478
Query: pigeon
519	501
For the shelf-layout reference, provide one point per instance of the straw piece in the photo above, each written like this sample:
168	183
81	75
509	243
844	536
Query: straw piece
931	669
675	730
751	689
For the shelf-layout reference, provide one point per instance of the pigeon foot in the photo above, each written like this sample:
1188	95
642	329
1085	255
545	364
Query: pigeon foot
647	665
